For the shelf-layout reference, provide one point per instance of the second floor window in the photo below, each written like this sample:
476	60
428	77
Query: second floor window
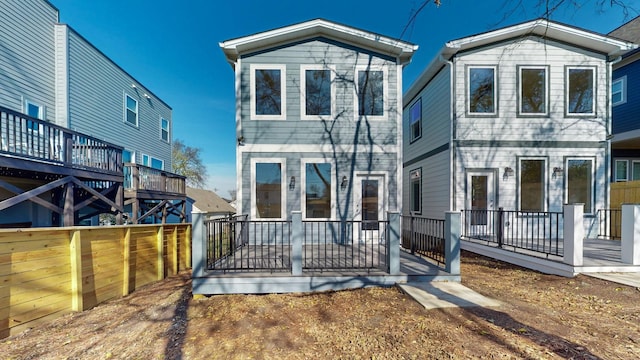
533	90
415	121
481	90
131	110
370	84
268	92
619	91
317	92
164	129
580	91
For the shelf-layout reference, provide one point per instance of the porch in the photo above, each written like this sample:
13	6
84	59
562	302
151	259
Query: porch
235	255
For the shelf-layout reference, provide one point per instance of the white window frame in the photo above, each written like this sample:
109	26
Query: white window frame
546	89
634	164
623	90
418	102
468	90
545	185
126	108
156	159
615	170
284	185
568	86
415	174
163	130
133	155
146	160
385	91
303	92
303	186
283	91
25	106
593	185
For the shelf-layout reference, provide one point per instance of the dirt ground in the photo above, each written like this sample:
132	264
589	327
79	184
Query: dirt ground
542	317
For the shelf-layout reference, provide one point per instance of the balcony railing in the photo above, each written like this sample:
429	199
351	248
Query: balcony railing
26	137
139	177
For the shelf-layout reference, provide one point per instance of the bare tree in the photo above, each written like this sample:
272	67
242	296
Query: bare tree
187	162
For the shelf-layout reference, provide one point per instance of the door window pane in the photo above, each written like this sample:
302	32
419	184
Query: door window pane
416	191
580	183
370	204
479	195
318	190
481	90
268	190
532	185
371	92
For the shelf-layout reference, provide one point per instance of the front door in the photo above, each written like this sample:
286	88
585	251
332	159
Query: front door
480	202
369	207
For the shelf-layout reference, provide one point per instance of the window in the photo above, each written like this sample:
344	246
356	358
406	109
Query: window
164	129
415	177
622	170
318	190
157	164
415	121
128	156
371	92
580	91
268	92
317	84
533	90
267	187
33	110
635	170
146	160
580	183
619	91
482	90
532	185
131	110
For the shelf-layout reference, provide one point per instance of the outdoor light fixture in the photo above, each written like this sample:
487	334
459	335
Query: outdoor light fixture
147	96
241	141
292	183
556	171
133	86
343	184
507	172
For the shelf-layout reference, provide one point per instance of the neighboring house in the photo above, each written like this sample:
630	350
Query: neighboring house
51	76
625	99
318	121
516	118
209	203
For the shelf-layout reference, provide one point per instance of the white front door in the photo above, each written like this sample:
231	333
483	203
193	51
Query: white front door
369	207
480	202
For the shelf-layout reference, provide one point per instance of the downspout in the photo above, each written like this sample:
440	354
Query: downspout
452	135
608	155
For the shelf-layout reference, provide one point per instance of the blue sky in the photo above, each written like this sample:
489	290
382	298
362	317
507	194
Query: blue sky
171	47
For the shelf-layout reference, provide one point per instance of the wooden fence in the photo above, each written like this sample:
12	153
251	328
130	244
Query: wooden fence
47	272
627	192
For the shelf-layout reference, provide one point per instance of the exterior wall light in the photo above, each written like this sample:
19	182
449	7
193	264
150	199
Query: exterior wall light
507	172
343	183
557	171
292	183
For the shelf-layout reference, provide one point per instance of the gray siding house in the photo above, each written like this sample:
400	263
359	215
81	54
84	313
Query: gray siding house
63	104
319	114
517	118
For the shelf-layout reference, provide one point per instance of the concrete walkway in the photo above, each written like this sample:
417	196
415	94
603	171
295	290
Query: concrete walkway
629	279
440	294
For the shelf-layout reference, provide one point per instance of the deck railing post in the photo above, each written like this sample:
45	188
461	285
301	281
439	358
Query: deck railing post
452	232
500	227
198	244
630	234
296	243
573	229
393	249
412	236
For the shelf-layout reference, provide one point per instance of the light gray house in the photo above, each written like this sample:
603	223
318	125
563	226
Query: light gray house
319	114
517	118
65	106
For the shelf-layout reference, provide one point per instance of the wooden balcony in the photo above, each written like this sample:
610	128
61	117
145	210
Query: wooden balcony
149	183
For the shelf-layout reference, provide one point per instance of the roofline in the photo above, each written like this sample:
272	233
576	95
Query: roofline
233	48
593	41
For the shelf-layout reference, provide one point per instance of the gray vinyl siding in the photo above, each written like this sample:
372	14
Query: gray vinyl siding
27	54
97	89
347	128
435	185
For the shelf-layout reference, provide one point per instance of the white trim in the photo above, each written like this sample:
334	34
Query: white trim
615	171
25	108
168	140
239	175
623	90
151	163
303	186
312	148
594	88
400	140
385	92
591	181
468	89
633	166
364	175
148	158
283	91
303	92
545	185
546	89
126	107
284	186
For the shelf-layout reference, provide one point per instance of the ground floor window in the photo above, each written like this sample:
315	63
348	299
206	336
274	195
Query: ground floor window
622	170
318	189
267	201
532	184
579	183
415	177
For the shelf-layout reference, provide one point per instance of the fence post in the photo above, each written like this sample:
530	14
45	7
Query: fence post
394	243
500	227
198	244
75	250
160	252
573	228
126	261
630	234
452	226
296	243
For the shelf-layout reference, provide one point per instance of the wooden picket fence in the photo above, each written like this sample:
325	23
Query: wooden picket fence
47	272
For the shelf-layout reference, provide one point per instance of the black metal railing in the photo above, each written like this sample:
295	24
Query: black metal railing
31	138
609	224
424	236
235	244
531	230
345	245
